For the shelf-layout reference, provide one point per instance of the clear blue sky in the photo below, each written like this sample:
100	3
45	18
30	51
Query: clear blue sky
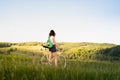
73	20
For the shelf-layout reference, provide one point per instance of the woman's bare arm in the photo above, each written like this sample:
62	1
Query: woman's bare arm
54	41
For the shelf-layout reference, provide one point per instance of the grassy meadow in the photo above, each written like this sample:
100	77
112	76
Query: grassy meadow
85	61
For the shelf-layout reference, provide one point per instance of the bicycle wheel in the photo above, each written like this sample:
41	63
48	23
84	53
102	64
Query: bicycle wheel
36	59
44	60
61	61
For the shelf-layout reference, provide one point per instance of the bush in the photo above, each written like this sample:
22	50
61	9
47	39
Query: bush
5	44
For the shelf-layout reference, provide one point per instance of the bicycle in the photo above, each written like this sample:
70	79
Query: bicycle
61	60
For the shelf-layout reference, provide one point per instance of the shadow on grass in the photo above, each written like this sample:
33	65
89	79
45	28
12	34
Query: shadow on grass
111	54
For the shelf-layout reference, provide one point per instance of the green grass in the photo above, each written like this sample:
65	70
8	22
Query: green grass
85	61
14	67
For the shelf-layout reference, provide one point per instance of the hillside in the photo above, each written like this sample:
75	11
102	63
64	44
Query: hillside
74	51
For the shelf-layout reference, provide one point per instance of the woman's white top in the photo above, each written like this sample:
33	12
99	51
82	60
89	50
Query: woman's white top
51	38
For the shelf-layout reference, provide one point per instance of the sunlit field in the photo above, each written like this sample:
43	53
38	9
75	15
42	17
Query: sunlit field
20	62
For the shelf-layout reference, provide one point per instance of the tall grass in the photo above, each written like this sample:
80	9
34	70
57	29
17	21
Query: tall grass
22	68
18	62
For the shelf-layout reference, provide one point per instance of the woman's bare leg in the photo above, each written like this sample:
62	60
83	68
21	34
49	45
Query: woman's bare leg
56	58
50	56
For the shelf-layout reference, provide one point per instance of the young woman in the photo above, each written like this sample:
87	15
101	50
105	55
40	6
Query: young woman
53	50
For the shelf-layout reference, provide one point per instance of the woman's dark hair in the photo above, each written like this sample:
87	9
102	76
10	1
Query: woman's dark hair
52	33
